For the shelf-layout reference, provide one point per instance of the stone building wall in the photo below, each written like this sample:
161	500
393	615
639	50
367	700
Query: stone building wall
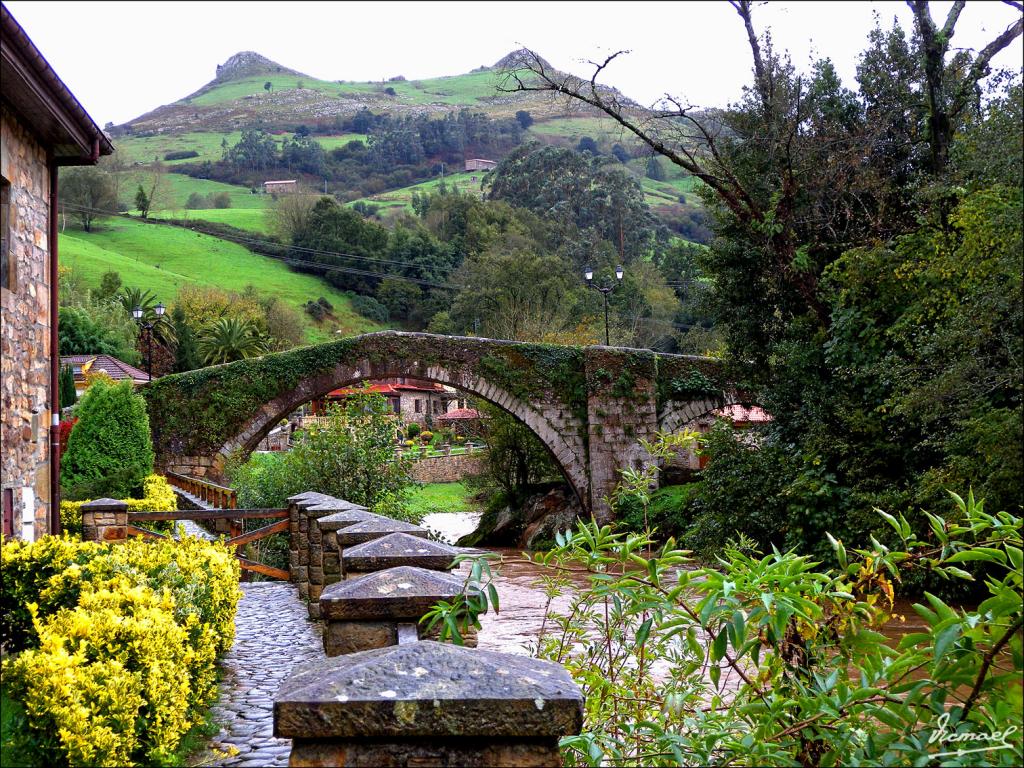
432	405
25	331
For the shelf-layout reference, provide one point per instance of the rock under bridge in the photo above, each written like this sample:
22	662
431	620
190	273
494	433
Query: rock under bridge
588	405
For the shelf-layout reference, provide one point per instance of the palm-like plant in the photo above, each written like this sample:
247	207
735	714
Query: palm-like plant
230	338
162	327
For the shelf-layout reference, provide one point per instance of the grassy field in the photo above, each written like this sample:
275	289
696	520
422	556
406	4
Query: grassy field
455	90
9	710
253	86
252	220
146	149
442	497
247	211
175	189
600	129
163	258
402	198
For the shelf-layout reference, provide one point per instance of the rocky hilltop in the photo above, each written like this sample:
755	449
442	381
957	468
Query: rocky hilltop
249	64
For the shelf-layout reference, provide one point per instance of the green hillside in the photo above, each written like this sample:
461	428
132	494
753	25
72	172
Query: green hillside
401	199
208	145
164	258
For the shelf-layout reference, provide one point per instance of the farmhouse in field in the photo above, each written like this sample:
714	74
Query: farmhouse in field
42	127
479	164
280	187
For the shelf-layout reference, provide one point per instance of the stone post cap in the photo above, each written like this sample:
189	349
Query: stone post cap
306	498
428	689
342	519
301	496
373	528
397	549
335	505
104	505
397	593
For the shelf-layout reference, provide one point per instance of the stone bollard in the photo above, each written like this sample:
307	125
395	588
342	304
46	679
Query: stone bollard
427	704
320	527
306	567
394	550
105	520
365	613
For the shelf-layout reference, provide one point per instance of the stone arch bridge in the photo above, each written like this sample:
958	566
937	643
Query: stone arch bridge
588	405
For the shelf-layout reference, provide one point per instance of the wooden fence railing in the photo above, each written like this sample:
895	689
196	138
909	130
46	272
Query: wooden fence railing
217	495
237	539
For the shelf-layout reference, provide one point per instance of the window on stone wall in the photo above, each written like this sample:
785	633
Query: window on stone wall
419	405
6	259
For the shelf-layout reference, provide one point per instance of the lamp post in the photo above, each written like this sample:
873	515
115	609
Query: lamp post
139	313
588	273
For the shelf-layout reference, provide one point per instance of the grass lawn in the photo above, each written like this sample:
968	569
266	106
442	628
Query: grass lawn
253	220
164	258
442	497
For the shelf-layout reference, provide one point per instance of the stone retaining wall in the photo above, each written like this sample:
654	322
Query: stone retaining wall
448	469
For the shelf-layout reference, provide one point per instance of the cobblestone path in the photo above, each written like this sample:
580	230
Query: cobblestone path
272	634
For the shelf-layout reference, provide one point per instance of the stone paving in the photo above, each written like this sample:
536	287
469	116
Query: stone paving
272	634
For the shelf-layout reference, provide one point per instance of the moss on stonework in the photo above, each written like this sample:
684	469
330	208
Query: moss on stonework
688	378
196	413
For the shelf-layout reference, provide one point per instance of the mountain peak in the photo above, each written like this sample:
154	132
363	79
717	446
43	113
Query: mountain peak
521	59
248	63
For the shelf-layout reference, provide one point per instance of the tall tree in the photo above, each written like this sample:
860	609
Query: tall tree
87	194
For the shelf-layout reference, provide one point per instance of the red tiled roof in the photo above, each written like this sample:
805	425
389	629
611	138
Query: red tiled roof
740	414
116	369
459	414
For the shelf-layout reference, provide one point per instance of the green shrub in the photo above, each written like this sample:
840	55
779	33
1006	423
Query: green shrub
315	310
221	200
775	659
413	429
196	201
370	308
351	457
669	513
109	450
183	154
120	660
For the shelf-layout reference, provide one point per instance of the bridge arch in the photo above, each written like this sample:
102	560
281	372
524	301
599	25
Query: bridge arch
569	454
588	405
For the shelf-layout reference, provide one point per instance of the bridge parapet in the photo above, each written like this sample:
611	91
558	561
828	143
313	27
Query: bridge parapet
588	405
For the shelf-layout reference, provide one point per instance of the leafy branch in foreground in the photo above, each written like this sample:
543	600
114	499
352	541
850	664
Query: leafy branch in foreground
770	659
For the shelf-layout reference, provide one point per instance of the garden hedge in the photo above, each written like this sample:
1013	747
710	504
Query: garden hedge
157	496
116	645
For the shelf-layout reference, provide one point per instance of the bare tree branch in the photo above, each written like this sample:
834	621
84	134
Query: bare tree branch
951	17
979	69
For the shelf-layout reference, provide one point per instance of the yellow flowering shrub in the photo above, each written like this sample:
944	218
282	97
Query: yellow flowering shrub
121	651
157	496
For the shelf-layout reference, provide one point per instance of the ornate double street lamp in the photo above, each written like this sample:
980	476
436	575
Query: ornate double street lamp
139	313
588	273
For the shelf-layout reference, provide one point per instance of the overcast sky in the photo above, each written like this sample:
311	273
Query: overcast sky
124	59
